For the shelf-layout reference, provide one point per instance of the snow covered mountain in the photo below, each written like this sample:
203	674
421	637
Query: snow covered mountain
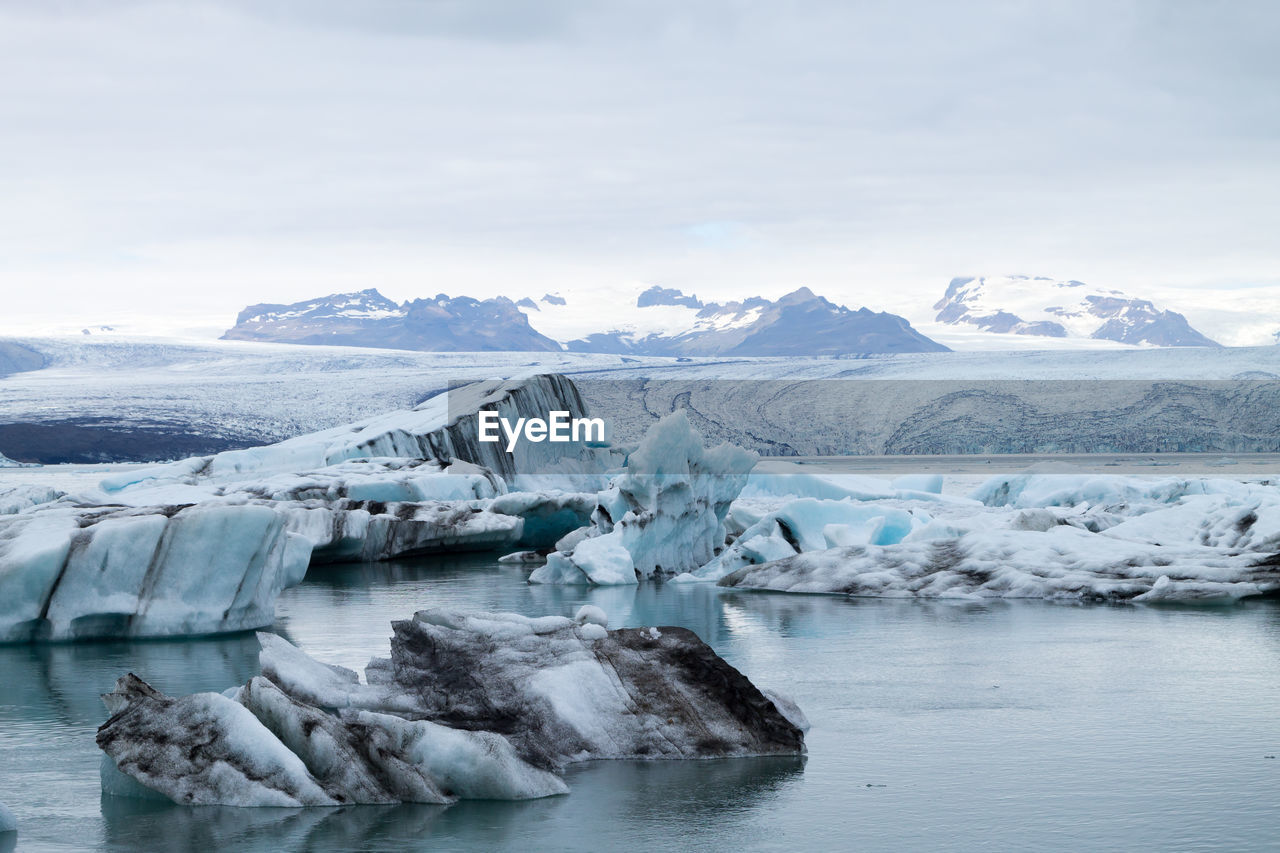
667	322
660	322
1021	305
369	319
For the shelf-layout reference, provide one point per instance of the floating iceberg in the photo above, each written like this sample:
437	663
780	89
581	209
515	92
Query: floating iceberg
426	727
371	530
664	514
6	462
8	823
1063	562
1032	535
69	573
810	525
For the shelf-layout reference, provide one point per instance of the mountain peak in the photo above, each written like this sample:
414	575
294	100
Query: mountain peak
1022	305
800	294
368	319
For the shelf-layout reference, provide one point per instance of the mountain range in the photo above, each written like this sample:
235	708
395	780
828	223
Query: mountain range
661	322
664	321
1022	305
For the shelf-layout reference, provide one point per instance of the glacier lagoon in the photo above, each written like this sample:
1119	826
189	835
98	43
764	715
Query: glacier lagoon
1010	724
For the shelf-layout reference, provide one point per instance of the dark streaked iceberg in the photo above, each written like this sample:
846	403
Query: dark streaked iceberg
468	706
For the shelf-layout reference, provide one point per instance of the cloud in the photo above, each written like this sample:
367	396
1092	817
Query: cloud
180	155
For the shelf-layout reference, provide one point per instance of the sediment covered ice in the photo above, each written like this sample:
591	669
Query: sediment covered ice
346	530
663	515
469	705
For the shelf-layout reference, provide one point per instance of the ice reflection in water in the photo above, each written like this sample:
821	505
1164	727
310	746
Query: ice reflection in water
1016	724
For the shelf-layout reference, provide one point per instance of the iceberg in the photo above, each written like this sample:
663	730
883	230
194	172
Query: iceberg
425	727
810	525
8	822
370	530
1063	562
1033	489
664	515
6	462
1089	537
70	573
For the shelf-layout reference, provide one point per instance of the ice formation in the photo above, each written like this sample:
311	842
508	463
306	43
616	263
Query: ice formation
663	515
1080	537
8	822
71	573
14	499
207	544
808	524
469	705
443	428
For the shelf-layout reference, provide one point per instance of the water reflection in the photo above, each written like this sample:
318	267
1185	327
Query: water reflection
64	680
605	796
1153	721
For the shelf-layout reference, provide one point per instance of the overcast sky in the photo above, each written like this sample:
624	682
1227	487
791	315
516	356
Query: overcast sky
193	157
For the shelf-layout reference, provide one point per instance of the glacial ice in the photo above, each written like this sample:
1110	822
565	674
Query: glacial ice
6	462
426	727
14	499
1026	535
369	530
810	525
74	573
1063	563
443	428
206	544
663	515
1083	537
8	821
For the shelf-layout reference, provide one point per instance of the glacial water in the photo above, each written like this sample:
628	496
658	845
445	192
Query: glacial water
935	725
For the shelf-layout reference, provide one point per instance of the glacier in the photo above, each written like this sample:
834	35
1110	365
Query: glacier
663	515
442	428
423	727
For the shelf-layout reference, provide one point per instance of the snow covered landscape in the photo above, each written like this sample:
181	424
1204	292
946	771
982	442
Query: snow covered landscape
496	426
676	500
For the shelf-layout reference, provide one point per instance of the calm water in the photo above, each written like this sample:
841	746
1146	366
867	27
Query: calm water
1022	725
